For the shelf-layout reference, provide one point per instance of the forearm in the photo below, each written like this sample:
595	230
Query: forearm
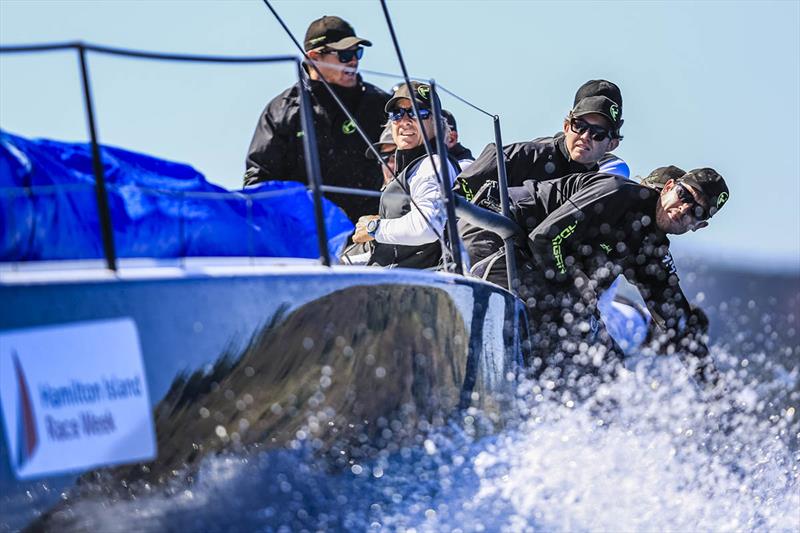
410	230
426	218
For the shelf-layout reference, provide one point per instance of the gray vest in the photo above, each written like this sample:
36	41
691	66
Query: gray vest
395	206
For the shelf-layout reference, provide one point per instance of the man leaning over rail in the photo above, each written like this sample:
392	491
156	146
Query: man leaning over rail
583	230
276	151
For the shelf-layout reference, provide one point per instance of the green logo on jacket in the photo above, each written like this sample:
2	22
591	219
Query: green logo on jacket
348	127
556	243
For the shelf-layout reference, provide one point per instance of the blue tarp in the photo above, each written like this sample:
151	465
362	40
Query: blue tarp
159	209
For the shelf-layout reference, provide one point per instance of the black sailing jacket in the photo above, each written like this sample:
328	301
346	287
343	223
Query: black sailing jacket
276	151
460	152
596	226
540	159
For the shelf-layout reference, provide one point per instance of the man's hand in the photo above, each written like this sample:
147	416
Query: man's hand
694	346
690	342
361	234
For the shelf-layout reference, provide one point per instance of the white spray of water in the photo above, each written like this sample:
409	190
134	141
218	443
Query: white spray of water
647	452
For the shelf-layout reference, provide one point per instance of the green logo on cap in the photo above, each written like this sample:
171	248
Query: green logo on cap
721	199
348	127
316	40
424	91
614	111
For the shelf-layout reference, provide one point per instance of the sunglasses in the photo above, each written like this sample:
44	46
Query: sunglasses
397	114
596	133
387	157
698	211
345	56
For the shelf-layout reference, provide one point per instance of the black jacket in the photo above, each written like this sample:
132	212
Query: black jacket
540	159
460	152
586	229
276	151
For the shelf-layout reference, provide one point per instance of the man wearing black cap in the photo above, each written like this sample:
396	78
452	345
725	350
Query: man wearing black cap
276	151
590	131
609	162
583	230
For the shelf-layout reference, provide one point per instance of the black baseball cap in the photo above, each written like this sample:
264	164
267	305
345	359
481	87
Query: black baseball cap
707	181
602	105
385	138
660	176
599	88
422	94
332	32
711	184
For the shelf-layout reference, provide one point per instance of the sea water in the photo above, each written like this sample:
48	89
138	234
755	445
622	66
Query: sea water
647	452
650	451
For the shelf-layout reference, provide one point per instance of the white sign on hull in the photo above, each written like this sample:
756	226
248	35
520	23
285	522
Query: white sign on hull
74	397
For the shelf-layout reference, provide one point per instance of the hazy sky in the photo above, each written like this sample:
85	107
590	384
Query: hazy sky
704	84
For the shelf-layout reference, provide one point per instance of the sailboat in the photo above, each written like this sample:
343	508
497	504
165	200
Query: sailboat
121	372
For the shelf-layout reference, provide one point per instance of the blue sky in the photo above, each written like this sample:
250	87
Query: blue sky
704	84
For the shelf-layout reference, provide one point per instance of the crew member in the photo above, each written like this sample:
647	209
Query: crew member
276	151
590	131
412	217
461	153
583	230
386	148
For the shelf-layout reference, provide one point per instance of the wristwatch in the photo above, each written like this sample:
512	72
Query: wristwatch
372	227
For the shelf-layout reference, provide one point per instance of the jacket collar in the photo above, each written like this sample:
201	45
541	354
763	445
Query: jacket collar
403	158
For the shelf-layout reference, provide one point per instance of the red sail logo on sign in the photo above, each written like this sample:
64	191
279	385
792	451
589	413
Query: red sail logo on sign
27	439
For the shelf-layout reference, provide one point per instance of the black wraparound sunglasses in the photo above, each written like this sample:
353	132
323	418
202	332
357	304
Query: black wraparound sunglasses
597	133
345	56
699	212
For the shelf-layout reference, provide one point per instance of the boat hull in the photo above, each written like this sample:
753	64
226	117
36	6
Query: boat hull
259	358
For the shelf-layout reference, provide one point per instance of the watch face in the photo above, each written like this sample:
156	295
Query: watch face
372	225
